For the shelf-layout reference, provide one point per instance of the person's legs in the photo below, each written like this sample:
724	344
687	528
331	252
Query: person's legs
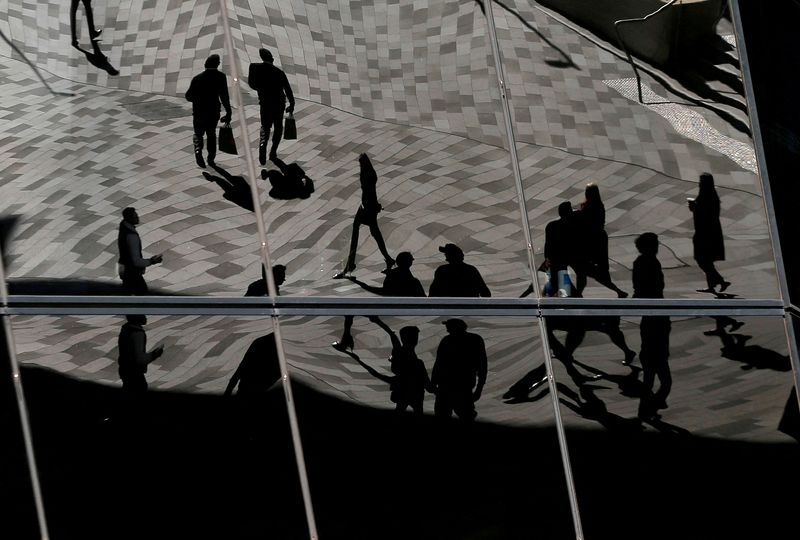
73	9
618	338
351	256
442	407
134	284
266	123
376	234
87	7
211	133
665	378
602	275
713	278
347	337
197	139
277	133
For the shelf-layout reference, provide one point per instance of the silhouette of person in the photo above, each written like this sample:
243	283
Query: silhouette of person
559	243
608	325
708	242
259	287
399	281
367	214
648	282
457	278
459	372
591	257
258	371
410	379
94	33
206	92
98	59
290	182
234	188
273	90
133	355
131	264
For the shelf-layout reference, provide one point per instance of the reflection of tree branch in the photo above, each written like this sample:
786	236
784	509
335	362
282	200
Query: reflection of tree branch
34	68
567	60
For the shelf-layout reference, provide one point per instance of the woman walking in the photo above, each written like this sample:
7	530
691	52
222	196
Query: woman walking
709	245
367	214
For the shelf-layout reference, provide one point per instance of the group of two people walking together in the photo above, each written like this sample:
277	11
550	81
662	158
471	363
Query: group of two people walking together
208	93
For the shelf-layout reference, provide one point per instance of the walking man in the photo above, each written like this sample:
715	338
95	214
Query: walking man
459	372
273	90
131	263
206	92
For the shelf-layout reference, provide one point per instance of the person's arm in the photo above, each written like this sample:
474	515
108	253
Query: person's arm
133	245
372	371
484	290
224	97
483	367
252	79
395	341
287	89
369	288
155	354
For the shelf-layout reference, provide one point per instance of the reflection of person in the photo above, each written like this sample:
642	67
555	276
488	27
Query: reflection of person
457	278
399	281
459	372
367	214
410	374
94	33
133	355
131	263
559	242
259	287
258	371
206	92
273	90
708	242
592	253
648	282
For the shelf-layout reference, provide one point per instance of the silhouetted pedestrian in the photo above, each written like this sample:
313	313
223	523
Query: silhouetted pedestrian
708	242
591	256
457	278
410	379
367	214
131	264
259	287
290	182
133	355
399	281
459	372
648	282
94	33
559	245
207	92
273	90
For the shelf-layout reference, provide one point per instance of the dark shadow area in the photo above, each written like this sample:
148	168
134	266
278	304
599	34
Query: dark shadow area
234	188
73	287
289	182
377	474
98	59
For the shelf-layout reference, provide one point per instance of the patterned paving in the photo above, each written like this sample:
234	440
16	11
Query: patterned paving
411	84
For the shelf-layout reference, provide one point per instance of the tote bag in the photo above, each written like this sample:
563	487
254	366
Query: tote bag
225	141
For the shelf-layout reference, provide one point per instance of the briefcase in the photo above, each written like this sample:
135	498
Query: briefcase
289	128
225	141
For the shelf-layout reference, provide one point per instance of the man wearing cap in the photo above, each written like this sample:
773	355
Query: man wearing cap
273	90
206	91
459	372
457	278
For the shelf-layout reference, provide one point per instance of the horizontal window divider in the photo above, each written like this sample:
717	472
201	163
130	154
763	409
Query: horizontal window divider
337	306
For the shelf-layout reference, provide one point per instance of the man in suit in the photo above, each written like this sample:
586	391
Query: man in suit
273	90
206	92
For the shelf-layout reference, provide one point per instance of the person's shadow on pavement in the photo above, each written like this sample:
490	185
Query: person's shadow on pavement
235	188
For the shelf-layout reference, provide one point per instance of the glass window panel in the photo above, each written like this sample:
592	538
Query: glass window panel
418	475
716	426
198	445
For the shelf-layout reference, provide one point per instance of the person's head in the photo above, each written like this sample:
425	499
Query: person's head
452	253
279	274
130	215
212	62
647	243
592	193
139	320
364	161
565	210
455	326
409	335
404	259
265	55
707	183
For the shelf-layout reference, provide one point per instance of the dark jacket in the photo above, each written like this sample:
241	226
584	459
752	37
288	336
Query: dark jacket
460	362
401	282
130	249
559	242
133	355
207	90
707	240
271	84
648	279
458	279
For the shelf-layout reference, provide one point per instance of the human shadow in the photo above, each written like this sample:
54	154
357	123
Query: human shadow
98	59
565	60
790	420
588	405
235	188
289	182
734	347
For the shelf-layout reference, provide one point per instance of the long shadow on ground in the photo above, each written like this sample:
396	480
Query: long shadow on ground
189	467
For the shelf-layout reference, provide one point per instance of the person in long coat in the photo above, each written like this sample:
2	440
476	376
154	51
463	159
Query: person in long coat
708	243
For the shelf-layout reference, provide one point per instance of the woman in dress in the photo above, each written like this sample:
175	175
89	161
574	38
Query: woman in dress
709	245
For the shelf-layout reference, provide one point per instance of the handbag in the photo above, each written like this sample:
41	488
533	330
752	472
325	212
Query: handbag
289	128
225	141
